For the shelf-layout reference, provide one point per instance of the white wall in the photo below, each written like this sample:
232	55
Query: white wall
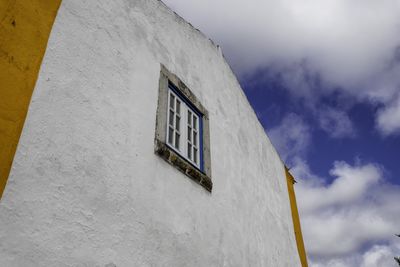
86	188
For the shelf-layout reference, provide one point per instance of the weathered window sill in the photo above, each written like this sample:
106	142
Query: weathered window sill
170	156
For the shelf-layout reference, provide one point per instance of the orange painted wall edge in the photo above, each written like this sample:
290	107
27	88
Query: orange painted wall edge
296	219
25	27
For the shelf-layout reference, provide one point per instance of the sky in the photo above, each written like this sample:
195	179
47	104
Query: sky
323	77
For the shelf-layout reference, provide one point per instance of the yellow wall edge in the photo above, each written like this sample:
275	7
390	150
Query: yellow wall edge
296	219
25	27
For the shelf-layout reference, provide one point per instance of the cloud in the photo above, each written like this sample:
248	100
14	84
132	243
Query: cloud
388	118
336	123
350	184
347	45
341	220
350	221
343	38
300	168
291	137
379	255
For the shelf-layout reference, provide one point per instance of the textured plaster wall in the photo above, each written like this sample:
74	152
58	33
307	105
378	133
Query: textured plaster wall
86	188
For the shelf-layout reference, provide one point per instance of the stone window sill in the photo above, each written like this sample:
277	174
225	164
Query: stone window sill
170	156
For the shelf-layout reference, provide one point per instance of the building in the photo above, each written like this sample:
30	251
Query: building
126	140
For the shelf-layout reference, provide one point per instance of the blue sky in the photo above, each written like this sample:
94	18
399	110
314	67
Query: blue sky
272	102
324	80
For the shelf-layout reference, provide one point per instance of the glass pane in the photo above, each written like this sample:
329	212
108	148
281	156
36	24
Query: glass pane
177	123
189	134
194	138
178	106
171	100
177	136
170	135
195	155
171	118
194	122
189	117
189	151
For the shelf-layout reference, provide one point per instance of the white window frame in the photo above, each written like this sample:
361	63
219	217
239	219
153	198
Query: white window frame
187	130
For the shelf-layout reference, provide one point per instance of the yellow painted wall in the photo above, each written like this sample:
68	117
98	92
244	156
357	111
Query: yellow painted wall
25	27
296	219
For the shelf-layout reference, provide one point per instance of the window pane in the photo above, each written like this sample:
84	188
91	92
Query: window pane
189	134
188	129
189	117
194	122
171	118
195	155
177	123
171	101
178	106
177	136
170	135
189	151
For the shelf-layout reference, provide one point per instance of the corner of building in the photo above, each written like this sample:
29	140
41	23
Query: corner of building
296	218
25	27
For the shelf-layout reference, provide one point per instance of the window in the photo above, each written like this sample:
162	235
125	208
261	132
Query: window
183	133
182	130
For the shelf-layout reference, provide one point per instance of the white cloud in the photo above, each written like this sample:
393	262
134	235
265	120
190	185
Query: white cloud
299	168
350	185
388	118
336	123
343	38
291	137
376	256
348	45
341	219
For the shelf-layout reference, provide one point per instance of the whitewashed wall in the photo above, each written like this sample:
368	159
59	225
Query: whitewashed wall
86	188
